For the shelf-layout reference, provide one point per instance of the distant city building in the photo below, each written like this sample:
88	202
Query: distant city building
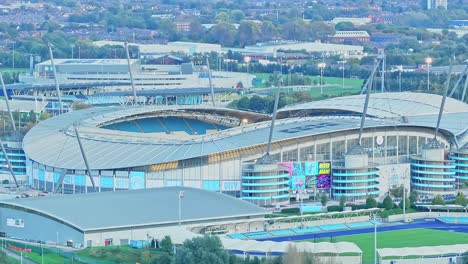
350	37
357	21
271	49
434	4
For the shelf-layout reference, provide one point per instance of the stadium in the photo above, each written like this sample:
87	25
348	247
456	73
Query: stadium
213	148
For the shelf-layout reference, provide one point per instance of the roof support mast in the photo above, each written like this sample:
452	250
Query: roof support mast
266	159
465	71
57	85
7	103
84	157
442	104
368	87
131	74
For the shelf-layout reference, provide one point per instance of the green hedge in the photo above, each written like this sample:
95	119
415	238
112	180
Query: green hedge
335	208
290	211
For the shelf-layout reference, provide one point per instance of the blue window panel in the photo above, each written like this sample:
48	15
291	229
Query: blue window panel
41	175
137	180
80	180
121	183
170	183
56	176
211	185
68	179
107	182
233	185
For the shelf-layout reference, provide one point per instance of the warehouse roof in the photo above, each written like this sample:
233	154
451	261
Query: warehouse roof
146	207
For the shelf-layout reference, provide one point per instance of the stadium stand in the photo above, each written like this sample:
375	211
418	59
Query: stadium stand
166	124
302	231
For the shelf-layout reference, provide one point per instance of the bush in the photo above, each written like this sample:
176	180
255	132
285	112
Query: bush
358	206
438	200
290	211
342	200
388	203
371	202
335	208
324	199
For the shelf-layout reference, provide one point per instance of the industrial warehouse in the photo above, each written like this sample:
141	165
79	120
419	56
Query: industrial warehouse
214	148
66	219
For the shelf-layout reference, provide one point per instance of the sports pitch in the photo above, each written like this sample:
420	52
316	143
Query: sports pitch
401	238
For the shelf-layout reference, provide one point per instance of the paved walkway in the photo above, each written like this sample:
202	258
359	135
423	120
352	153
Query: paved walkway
17	257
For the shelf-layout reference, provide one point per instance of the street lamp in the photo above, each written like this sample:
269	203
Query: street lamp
428	66
400	69
13	54
343	62
375	218
247	61
322	66
72	47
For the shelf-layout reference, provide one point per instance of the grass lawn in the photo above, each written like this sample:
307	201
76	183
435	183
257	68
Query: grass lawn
401	238
335	81
115	254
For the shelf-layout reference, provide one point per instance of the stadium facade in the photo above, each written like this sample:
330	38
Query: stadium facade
211	147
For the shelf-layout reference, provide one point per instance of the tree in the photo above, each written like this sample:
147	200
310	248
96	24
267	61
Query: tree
324	199
342	200
438	200
344	26
236	15
413	197
388	203
371	202
461	199
201	250
397	191
407	204
166	245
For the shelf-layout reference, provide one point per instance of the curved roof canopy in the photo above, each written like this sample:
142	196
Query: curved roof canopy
383	105
53	141
93	211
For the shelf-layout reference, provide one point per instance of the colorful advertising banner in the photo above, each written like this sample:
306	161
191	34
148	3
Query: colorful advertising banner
308	174
302	174
324	175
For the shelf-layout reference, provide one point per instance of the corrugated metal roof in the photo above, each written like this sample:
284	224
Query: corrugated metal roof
138	207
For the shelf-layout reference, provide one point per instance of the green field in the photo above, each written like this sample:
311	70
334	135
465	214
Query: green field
401	238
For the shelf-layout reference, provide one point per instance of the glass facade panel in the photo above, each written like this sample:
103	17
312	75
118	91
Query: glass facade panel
338	148
307	153
413	145
402	145
323	151
391	146
290	155
367	145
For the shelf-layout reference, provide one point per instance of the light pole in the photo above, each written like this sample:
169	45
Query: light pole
342	84
322	66
72	47
428	66
375	236
247	62
400	69
181	195
13	54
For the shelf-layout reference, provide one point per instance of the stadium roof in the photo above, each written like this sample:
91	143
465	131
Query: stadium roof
94	211
168	92
53	142
423	251
384	105
67	85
